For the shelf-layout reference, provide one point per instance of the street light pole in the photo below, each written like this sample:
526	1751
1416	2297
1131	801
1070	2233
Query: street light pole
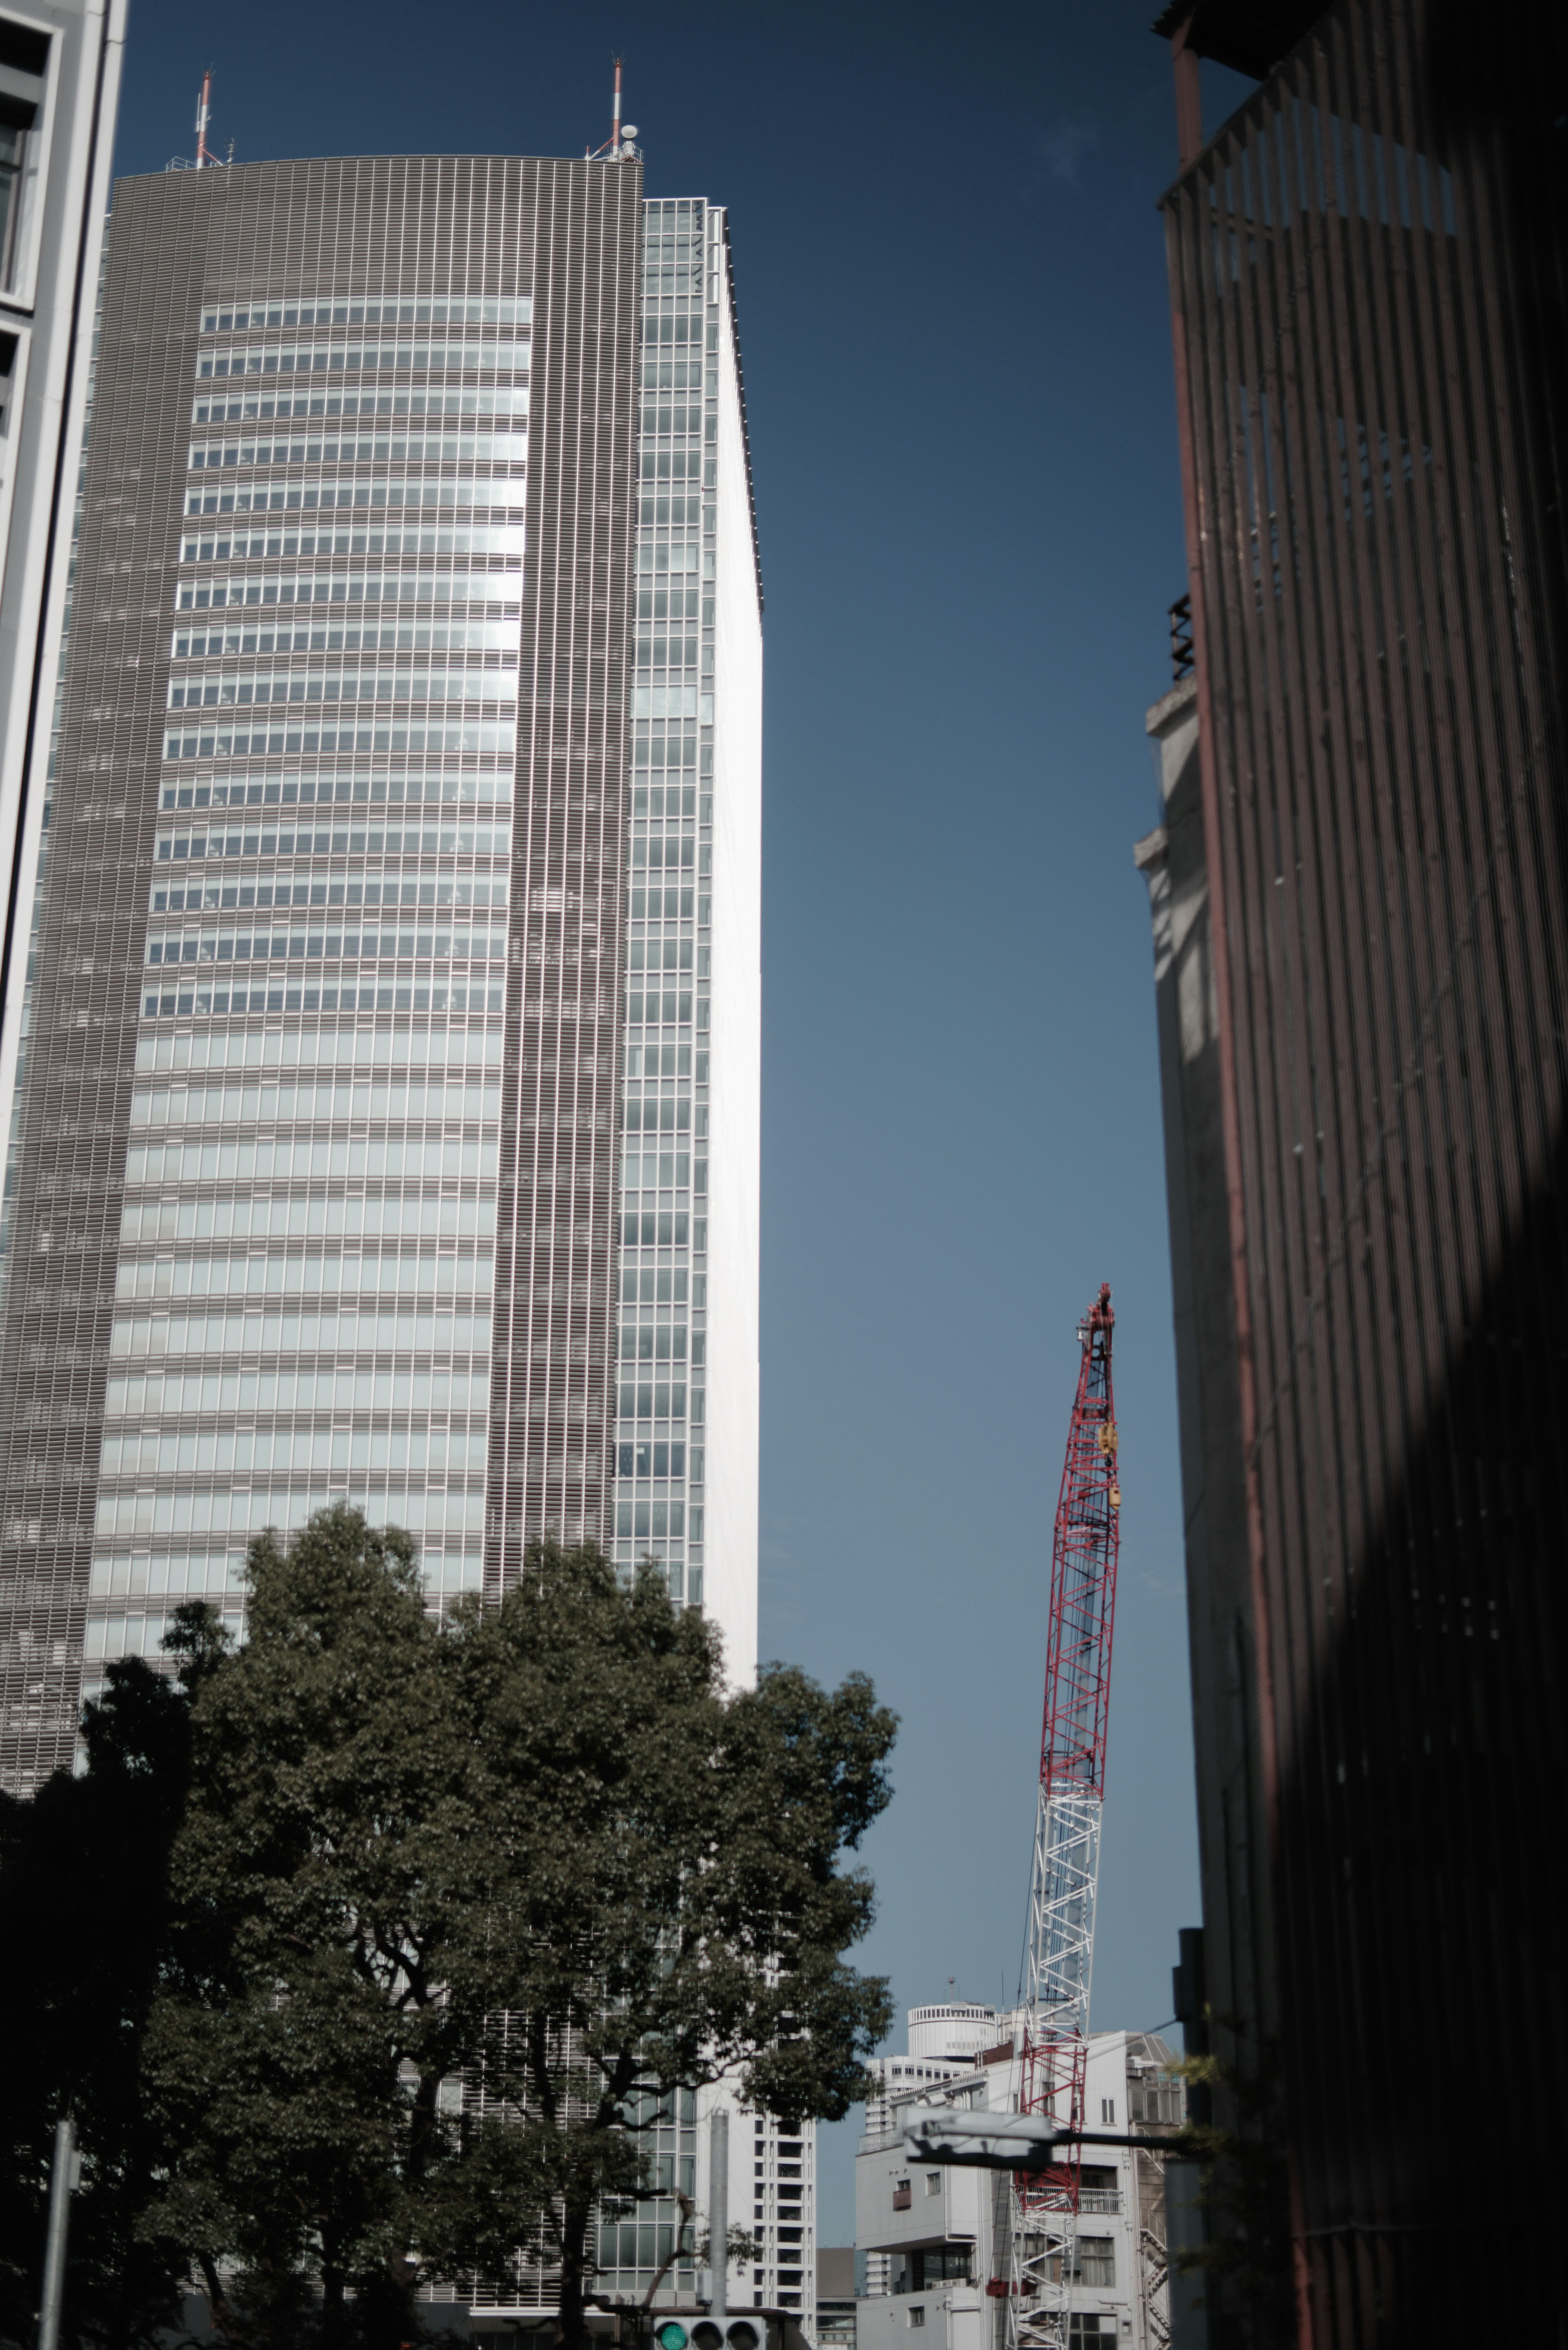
718	2215
60	2184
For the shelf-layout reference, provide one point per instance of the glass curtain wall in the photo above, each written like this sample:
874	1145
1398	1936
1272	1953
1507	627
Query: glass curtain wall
321	1326
660	1427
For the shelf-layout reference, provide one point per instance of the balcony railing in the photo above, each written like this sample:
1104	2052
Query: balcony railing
1100	2202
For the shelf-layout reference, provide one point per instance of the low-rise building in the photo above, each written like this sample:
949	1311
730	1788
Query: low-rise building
834	2297
938	2238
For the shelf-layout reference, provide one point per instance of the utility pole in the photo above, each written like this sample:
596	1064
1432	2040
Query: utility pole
718	2217
62	2179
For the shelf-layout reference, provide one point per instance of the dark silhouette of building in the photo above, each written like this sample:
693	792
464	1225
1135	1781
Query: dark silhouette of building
1361	909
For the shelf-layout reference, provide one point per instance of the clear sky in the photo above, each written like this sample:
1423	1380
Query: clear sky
957	371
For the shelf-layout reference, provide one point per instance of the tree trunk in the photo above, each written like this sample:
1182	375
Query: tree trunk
225	2323
575	2218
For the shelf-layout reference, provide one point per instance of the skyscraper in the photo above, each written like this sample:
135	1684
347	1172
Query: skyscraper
59	84
1361	901
388	903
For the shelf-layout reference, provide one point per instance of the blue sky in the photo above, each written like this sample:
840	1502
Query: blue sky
957	371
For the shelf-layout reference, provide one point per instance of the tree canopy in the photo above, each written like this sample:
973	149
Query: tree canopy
449	1895
84	1892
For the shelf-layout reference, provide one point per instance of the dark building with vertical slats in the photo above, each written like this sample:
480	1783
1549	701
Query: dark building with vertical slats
1361	896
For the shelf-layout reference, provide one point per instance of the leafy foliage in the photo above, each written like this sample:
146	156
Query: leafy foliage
449	1895
83	1869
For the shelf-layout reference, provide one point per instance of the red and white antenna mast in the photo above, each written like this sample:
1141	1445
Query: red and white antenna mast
618	147
1066	1863
205	159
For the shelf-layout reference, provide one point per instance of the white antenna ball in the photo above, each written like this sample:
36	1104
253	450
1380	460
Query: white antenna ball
628	131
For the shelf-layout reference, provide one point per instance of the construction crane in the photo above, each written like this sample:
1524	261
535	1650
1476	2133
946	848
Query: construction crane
1060	1956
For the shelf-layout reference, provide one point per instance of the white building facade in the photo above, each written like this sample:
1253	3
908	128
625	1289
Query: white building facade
938	2239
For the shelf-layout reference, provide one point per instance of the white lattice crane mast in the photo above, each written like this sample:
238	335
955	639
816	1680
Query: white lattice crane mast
1067	1842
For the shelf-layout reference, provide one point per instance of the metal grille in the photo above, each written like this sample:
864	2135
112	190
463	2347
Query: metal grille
1366	267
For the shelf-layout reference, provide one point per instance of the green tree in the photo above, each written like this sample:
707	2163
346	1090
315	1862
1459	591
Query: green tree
84	1892
453	1894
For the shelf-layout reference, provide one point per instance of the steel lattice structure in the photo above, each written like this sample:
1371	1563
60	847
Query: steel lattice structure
1067	1839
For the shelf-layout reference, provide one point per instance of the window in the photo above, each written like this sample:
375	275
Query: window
901	2196
1109	2111
24	62
933	2183
1095	2260
950	2265
916	2316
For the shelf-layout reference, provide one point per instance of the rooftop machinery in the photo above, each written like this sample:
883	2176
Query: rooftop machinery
1067	1843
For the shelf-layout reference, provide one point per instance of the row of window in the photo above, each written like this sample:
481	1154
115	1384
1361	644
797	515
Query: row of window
168	1452
226	1512
663	1285
676	375
330	893
671	652
299	1217
493	738
659	1227
656	1117
667	906
499	497
129	1574
504	356
660	1170
660	1342
675	331
674	419
277	1273
406	635
123	1575
210	946
660	1399
654	743
351	1218
676	557
669	852
365	588
456	684
500	447
672	702
246	1048
491	538
359	310
483	840
658	1519
666	800
664	1007
205	1000
673	604
249	408
677	466
417	1098
303	1163
347	1390
326	1333
648	1459
666	954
